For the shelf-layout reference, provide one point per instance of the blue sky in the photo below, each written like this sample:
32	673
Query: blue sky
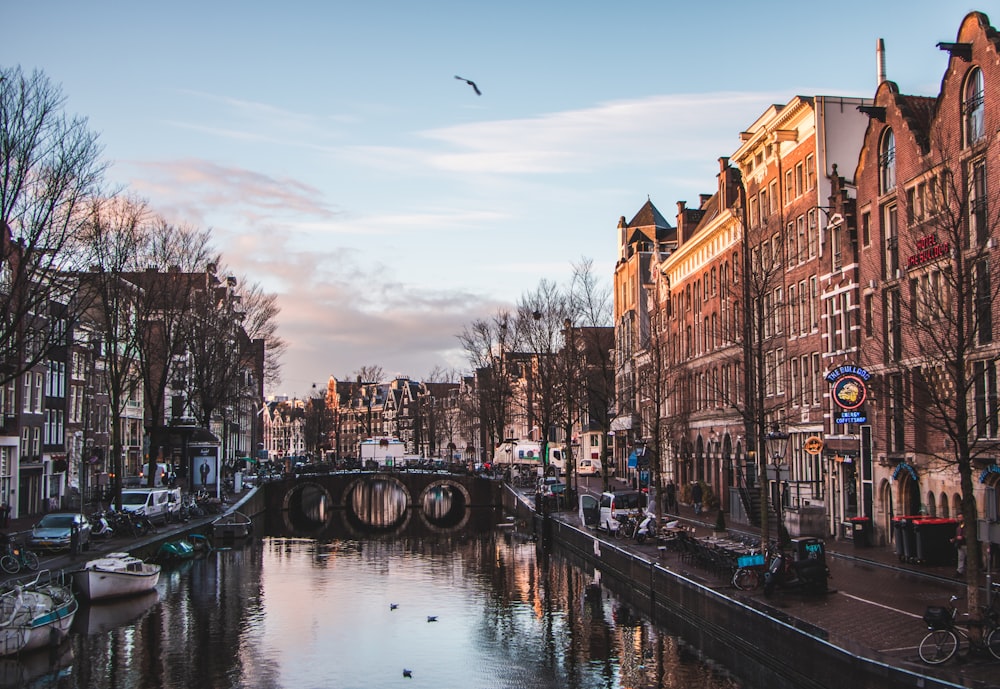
340	164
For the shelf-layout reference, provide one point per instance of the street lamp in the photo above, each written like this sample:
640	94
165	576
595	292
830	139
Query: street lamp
778	444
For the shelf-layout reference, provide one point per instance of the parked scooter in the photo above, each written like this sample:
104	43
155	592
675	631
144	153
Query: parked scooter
100	527
646	528
808	574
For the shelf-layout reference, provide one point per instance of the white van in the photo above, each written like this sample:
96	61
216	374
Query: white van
159	504
603	512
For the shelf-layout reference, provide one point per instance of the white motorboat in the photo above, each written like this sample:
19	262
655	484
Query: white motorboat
35	615
231	526
115	575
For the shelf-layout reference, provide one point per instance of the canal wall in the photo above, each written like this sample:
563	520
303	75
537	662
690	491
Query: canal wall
759	644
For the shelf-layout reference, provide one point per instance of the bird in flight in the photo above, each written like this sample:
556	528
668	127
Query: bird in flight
432	618
470	83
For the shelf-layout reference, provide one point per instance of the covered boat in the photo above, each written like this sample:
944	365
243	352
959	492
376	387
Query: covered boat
231	526
35	615
115	575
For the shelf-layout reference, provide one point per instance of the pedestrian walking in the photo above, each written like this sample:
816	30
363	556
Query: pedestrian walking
671	492
696	496
959	541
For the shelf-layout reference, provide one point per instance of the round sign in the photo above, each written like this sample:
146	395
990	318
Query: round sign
813	445
849	392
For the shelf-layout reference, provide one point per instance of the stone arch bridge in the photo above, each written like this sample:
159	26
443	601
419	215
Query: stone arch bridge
378	500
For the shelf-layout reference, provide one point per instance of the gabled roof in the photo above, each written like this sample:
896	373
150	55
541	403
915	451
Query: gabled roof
648	216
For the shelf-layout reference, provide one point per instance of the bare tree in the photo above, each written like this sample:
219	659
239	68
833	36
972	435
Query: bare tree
50	166
174	272
368	378
541	324
939	342
260	322
488	344
116	236
592	364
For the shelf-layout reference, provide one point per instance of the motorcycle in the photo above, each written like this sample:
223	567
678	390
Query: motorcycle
809	575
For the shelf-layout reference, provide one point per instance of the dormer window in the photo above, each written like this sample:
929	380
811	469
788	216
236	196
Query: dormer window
973	107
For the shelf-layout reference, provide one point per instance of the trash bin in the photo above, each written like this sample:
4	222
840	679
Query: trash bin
932	536
897	537
808	548
909	538
861	531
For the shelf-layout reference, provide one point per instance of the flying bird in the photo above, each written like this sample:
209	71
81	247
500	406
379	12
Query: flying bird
470	83
407	673
393	606
432	618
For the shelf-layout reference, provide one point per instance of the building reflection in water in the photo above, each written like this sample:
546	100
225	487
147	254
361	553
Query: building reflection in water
293	611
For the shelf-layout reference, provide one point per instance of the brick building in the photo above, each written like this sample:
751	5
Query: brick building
927	236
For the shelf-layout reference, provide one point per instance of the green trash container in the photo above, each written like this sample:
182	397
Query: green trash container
932	536
861	531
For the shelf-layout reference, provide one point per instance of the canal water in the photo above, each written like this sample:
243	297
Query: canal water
479	606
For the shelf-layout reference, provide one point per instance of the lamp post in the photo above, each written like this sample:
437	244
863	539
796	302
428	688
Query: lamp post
778	445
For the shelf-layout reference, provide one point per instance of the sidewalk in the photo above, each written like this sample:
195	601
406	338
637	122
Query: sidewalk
874	609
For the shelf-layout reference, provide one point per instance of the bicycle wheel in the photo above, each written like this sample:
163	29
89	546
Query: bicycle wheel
9	564
938	646
30	560
746	579
993	642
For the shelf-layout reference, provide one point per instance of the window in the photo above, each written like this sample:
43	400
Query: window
810	172
793	381
814	376
984	303
973	107
805	381
891	232
800	179
897	426
813	303
978	221
887	162
800	233
836	261
869	316
773	196
812	233
789	186
866	229
986	413
793	310
893	326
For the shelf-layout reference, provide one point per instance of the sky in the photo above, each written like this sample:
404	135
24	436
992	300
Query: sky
341	166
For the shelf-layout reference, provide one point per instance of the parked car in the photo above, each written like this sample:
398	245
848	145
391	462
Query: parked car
55	531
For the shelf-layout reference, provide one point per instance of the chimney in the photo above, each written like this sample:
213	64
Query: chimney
880	60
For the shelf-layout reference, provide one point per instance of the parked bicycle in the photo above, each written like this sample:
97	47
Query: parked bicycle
947	632
750	570
16	558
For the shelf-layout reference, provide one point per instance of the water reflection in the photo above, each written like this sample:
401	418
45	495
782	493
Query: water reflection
334	611
379	503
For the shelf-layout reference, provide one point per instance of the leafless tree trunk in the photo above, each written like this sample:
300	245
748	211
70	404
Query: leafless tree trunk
50	167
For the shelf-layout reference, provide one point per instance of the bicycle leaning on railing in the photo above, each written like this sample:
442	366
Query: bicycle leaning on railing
946	633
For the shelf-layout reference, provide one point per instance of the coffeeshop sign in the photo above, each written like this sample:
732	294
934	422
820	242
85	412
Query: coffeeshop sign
849	390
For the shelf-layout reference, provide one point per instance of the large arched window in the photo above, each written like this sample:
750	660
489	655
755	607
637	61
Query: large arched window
973	107
887	162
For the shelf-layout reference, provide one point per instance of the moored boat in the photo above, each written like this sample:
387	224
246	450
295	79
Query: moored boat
35	614
231	526
115	575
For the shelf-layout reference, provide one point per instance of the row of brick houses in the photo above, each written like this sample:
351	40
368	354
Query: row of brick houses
56	436
853	243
